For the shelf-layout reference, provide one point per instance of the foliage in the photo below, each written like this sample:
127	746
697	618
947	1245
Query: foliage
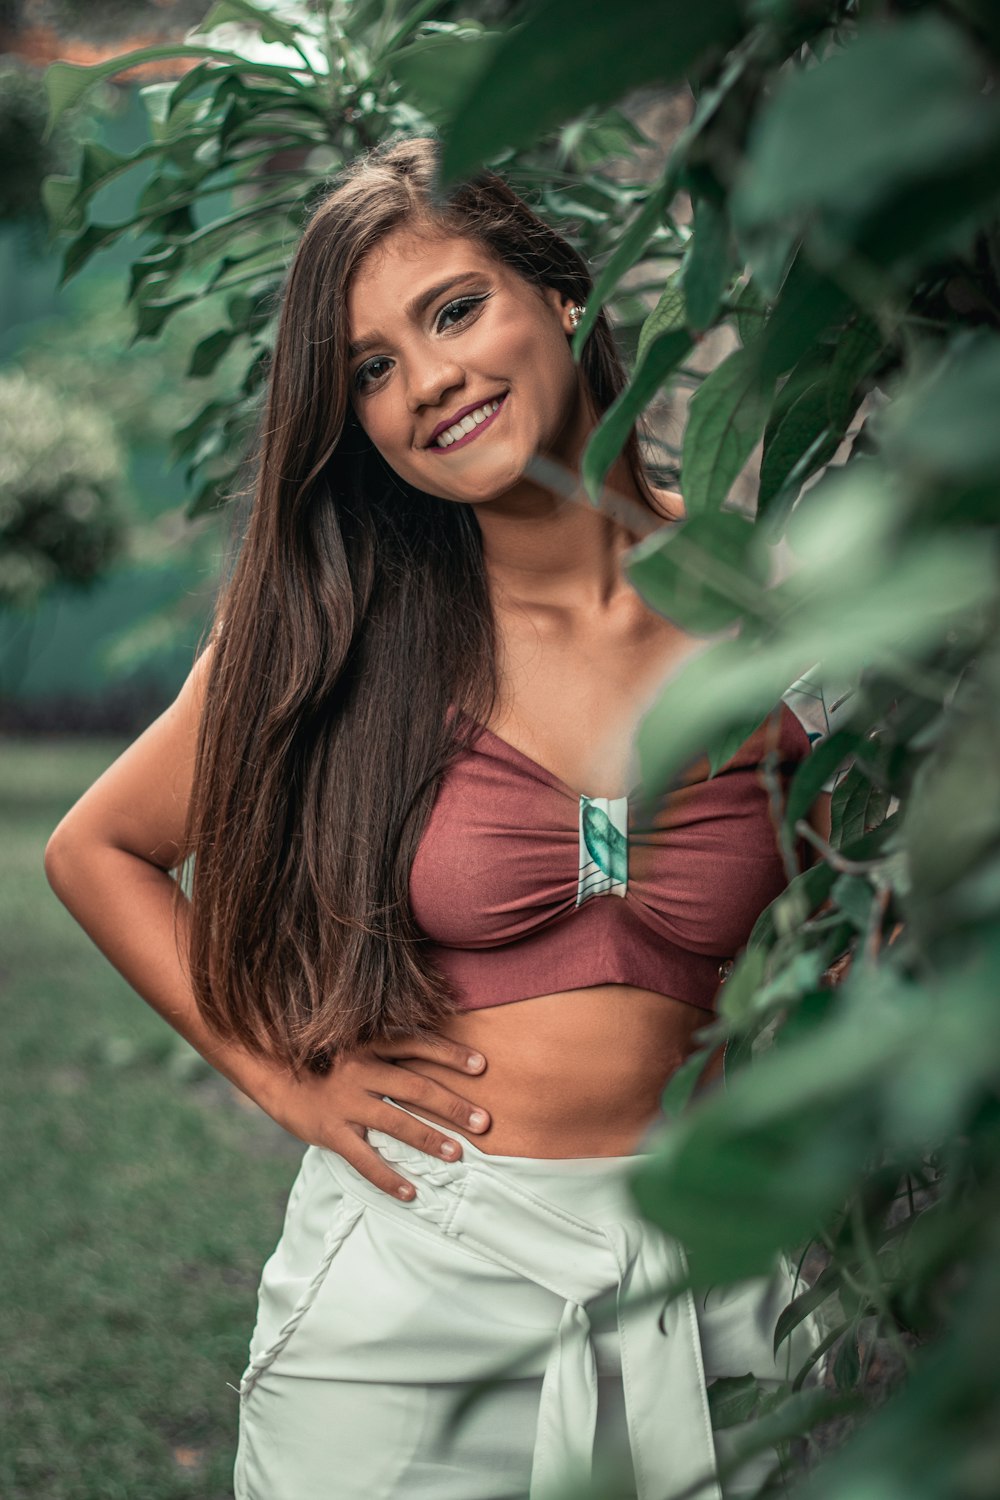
60	477
843	163
86	354
25	152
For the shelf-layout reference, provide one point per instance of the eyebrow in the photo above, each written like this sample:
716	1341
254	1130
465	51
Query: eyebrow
412	309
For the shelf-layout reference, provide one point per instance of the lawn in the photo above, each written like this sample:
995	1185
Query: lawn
140	1196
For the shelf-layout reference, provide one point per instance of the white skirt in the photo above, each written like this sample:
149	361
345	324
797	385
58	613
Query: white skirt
534	1276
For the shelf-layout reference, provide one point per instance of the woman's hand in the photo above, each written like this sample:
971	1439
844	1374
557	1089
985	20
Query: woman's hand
335	1109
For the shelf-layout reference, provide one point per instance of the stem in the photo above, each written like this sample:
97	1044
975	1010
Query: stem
876	1290
832	856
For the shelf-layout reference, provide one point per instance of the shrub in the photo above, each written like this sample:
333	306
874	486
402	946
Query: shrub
60	477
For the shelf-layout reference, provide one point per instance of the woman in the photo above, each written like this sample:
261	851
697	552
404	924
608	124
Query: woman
430	931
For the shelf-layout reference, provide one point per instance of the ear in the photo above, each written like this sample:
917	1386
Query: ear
560	302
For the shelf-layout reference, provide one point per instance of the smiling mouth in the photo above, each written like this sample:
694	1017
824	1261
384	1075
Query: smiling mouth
460	433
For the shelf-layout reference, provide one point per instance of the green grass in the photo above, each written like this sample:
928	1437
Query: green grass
139	1198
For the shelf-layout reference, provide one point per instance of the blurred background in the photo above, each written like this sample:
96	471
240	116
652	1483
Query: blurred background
126	1307
105	585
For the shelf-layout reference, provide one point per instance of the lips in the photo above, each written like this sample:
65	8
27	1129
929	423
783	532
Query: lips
433	445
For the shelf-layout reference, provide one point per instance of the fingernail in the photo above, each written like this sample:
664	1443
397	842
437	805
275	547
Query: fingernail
449	1148
405	1192
475	1061
478	1120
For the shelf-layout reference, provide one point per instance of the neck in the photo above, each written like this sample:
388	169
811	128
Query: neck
543	551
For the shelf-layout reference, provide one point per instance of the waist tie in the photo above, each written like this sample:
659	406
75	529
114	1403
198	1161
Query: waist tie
666	1402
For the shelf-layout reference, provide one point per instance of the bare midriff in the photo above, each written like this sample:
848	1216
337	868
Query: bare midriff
578	1073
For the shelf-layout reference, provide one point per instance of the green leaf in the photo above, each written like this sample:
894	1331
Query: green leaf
859	348
723	743
810	303
759	1166
793	1416
265	22
95	237
797	902
735	998
151	316
263	215
942	426
732	1399
857	806
808	781
854	600
438	70
706	265
683	1081
592	140
701	574
59	195
904	104
750	307
726	417
643	229
847	1363
953	816
853	895
99	165
161	264
156	99
669	313
568	55
769	254
804	1304
279	89
415	17
797	432
213	493
210	350
199	76
662	356
806	429
731	1185
188	436
259	259
66	83
628	250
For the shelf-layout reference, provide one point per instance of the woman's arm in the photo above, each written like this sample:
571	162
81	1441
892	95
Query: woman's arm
109	860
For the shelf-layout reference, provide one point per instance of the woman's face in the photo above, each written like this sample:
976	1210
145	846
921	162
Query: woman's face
440	329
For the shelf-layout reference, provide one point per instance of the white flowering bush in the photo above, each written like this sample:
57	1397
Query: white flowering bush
61	472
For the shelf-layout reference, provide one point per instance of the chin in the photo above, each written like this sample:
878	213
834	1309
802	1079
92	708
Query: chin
477	487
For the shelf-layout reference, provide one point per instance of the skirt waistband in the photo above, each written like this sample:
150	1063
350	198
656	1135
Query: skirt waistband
611	1265
594	1188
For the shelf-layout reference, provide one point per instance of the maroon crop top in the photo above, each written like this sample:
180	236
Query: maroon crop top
526	887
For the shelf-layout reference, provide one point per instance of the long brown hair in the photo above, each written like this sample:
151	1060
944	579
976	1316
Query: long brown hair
356	614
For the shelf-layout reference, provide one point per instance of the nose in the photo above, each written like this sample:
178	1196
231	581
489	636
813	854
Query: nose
430	376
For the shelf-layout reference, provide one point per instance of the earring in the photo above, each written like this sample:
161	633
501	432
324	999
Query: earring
575	314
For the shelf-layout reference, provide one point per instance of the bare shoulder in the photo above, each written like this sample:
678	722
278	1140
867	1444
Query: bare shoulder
140	802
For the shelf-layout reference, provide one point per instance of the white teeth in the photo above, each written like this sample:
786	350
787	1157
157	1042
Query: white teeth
459	429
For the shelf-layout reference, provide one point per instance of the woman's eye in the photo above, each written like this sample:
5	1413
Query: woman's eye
453	313
456	311
368	373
